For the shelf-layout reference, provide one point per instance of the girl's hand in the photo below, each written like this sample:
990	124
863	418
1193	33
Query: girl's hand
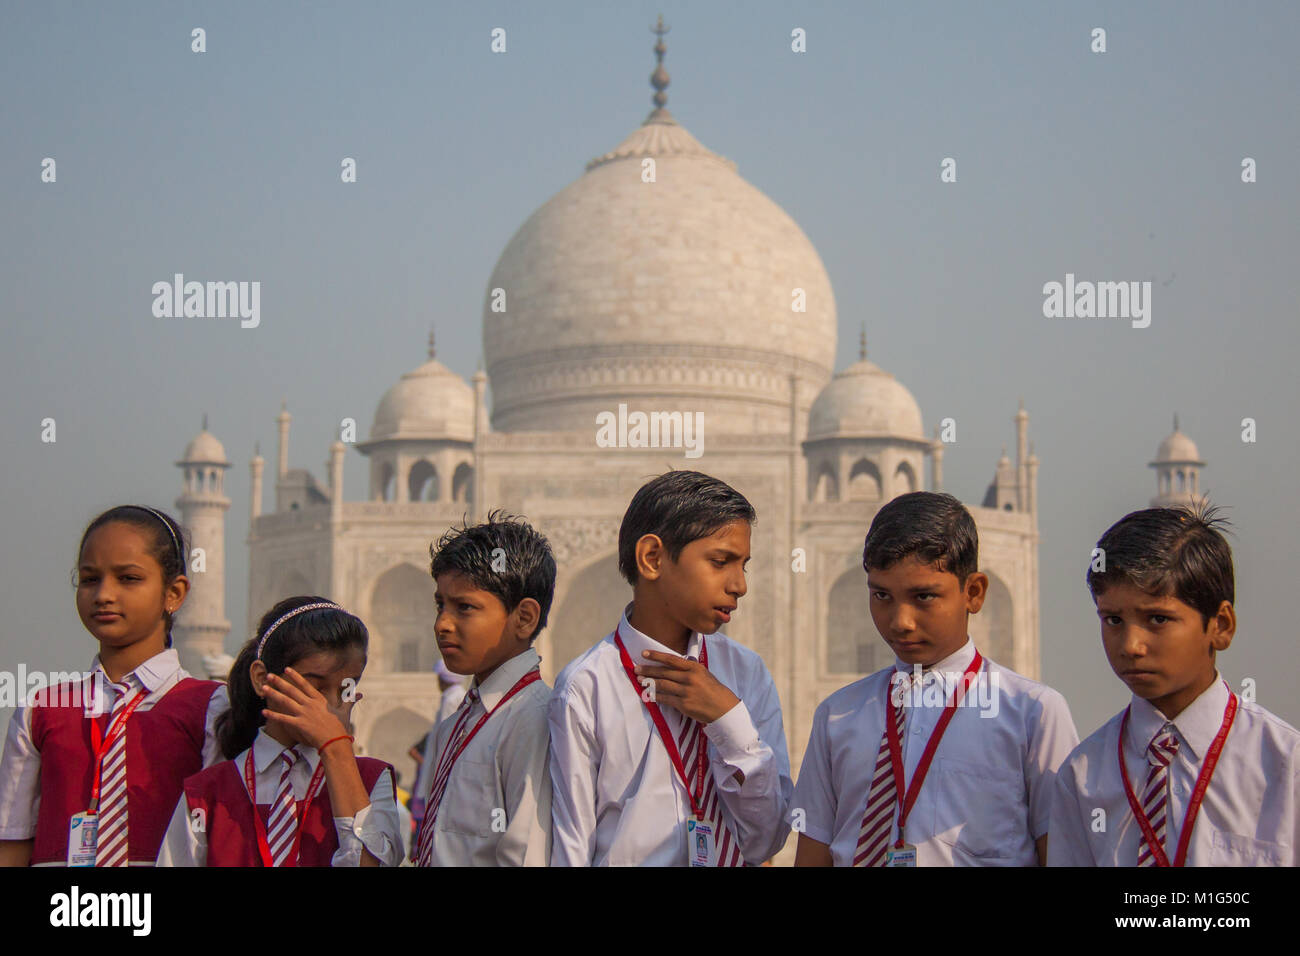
304	711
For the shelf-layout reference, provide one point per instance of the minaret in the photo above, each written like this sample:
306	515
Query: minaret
201	626
1177	464
255	477
335	464
1022	458
936	461
481	428
282	469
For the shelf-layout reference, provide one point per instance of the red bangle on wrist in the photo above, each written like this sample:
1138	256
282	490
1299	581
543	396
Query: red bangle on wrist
348	737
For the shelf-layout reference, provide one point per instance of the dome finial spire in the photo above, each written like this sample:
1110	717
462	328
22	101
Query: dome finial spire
659	78
433	351
205	421
1175	421
862	343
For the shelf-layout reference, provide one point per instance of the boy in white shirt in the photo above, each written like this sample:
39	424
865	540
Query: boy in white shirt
488	801
667	746
946	758
1162	580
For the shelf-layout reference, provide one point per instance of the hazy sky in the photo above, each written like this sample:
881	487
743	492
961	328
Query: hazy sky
225	165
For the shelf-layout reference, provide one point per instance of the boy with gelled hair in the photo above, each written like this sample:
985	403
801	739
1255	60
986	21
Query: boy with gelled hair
1188	774
667	746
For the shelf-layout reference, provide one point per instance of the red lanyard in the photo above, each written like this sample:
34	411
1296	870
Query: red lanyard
696	796
449	756
1198	792
263	847
98	744
896	748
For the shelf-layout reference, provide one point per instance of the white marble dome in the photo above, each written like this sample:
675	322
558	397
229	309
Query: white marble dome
865	401
667	295
428	402
1177	448
205	448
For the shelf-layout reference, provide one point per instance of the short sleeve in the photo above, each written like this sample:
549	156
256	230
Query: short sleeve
20	779
813	807
1051	738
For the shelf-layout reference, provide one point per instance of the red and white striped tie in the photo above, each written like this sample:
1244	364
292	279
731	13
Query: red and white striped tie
882	795
694	747
111	841
1155	796
282	826
424	840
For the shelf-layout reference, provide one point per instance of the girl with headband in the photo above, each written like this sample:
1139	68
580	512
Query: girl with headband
292	791
93	767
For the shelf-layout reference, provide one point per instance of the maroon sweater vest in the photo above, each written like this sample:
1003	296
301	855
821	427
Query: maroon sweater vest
222	796
164	745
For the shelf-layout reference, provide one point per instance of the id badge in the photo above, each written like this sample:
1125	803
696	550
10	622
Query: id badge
699	843
83	830
901	856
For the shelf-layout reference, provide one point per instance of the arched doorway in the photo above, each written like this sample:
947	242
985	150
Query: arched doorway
401	621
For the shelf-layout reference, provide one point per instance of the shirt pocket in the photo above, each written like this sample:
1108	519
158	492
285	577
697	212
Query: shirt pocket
1233	849
980	810
470	799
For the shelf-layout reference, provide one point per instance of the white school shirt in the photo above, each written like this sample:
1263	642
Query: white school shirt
496	810
618	801
447	705
1249	815
20	767
377	827
987	795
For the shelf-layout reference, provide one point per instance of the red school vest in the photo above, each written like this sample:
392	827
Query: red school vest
164	745
222	795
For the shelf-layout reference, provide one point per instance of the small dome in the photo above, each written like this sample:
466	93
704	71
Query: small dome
865	401
431	401
1177	448
206	449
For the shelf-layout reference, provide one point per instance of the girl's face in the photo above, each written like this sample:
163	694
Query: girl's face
335	675
120	593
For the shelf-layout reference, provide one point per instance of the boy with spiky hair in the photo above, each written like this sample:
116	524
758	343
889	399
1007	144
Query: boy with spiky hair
1188	774
489	798
944	758
667	747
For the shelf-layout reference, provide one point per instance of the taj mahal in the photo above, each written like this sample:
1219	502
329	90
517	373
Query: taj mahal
662	281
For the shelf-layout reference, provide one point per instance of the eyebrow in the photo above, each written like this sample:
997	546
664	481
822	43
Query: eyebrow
727	553
917	589
116	567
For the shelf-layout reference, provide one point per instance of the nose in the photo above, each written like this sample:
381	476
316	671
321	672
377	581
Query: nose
736	587
1133	641
442	623
903	621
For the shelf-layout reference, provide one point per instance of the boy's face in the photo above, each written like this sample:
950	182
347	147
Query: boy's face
921	611
1158	645
703	586
474	632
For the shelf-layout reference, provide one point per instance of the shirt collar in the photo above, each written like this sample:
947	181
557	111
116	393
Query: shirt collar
504	677
955	663
1197	725
267	750
636	642
152	674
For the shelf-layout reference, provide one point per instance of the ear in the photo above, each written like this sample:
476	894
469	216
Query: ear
526	615
1222	627
174	594
257	674
650	555
976	589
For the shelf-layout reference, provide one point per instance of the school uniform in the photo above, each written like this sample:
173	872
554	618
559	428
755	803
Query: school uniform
618	799
448	704
491	805
987	794
1249	815
48	765
213	823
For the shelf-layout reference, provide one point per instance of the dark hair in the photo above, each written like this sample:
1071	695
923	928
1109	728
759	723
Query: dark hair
933	527
320	629
166	539
529	566
1169	551
679	507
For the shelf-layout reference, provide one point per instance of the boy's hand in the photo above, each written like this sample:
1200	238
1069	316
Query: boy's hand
306	714
687	686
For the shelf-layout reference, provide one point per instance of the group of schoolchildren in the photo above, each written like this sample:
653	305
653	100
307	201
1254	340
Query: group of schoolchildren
662	744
